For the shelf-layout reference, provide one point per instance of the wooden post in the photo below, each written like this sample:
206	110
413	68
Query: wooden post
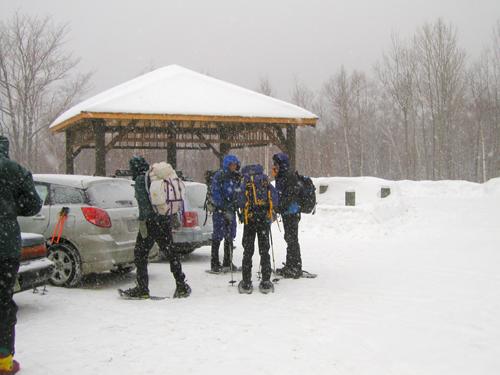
172	148
70	160
100	148
224	147
350	198
291	145
385	191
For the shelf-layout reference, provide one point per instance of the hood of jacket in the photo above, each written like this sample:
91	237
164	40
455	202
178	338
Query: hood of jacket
229	159
4	146
283	162
138	165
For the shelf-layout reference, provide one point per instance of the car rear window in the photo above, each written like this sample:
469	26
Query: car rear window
112	194
67	195
195	194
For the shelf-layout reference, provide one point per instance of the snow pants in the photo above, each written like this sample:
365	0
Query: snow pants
259	228
224	229
160	231
291	226
8	308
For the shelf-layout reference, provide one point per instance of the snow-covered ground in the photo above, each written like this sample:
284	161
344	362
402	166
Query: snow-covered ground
409	284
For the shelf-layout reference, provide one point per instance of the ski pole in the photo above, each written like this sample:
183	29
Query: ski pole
231	262
276	279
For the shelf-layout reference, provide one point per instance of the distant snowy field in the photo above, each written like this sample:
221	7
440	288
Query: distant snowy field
409	284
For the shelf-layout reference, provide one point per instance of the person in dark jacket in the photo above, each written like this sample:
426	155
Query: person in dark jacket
18	197
225	188
288	190
153	227
256	200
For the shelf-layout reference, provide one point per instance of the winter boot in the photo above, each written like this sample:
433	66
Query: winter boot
266	287
134	293
245	288
216	268
8	365
292	273
183	290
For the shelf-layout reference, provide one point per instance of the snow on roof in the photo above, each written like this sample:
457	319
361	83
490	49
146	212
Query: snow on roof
179	91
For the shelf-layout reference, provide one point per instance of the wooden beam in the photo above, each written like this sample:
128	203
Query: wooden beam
227	120
100	149
70	159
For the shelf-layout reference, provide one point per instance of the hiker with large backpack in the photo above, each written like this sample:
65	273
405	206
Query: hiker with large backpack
159	193
225	188
256	200
296	195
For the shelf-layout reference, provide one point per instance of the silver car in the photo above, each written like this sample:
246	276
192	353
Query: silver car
101	226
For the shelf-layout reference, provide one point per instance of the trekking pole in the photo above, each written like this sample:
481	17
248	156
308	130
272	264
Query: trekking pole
276	279
232	282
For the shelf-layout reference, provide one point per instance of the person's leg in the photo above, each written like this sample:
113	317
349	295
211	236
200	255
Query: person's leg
217	236
265	259
162	234
248	243
8	308
141	253
291	226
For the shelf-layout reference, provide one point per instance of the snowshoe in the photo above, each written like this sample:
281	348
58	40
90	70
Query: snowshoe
8	365
289	272
134	293
227	268
266	287
182	291
215	269
245	288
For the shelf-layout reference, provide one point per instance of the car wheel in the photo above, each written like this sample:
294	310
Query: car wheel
67	271
122	270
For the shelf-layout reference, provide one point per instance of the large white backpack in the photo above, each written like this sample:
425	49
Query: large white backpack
167	191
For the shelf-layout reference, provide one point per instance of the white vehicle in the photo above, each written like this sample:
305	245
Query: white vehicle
101	227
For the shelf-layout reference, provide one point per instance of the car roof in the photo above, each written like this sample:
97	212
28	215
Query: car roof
77	181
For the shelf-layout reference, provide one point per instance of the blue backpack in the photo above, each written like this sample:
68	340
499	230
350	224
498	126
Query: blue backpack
257	193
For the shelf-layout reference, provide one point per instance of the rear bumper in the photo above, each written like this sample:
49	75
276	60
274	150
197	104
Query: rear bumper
102	253
33	273
192	235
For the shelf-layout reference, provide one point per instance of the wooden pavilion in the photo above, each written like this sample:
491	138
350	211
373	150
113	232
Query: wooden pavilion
174	108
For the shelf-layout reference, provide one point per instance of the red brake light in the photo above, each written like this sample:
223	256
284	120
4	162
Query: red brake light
190	219
97	216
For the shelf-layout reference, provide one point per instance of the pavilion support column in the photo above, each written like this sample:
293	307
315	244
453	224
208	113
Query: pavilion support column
100	148
172	149
70	159
224	147
291	145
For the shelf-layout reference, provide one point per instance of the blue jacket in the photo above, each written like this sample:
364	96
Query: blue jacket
226	186
287	186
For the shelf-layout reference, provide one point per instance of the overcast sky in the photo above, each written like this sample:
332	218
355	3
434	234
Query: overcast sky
243	40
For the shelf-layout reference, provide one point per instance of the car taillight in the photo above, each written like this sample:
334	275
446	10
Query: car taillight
31	252
190	219
97	216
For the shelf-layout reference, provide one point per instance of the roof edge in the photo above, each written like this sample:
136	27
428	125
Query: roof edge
178	117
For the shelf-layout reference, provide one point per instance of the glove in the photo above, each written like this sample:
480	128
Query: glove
293	209
143	229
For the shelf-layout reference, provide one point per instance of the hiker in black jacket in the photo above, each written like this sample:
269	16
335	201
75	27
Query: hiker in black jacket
289	209
153	227
18	197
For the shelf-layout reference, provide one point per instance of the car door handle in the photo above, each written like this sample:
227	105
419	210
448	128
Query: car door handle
39	217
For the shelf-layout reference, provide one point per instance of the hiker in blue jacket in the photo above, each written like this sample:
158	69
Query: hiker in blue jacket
225	188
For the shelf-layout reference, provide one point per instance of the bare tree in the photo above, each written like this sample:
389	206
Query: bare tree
36	83
442	65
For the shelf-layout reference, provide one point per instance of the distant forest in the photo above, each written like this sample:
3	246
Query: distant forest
427	109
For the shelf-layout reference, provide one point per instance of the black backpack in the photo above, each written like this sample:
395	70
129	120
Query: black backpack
209	205
306	194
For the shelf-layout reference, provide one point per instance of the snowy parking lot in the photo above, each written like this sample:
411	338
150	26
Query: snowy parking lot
407	285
